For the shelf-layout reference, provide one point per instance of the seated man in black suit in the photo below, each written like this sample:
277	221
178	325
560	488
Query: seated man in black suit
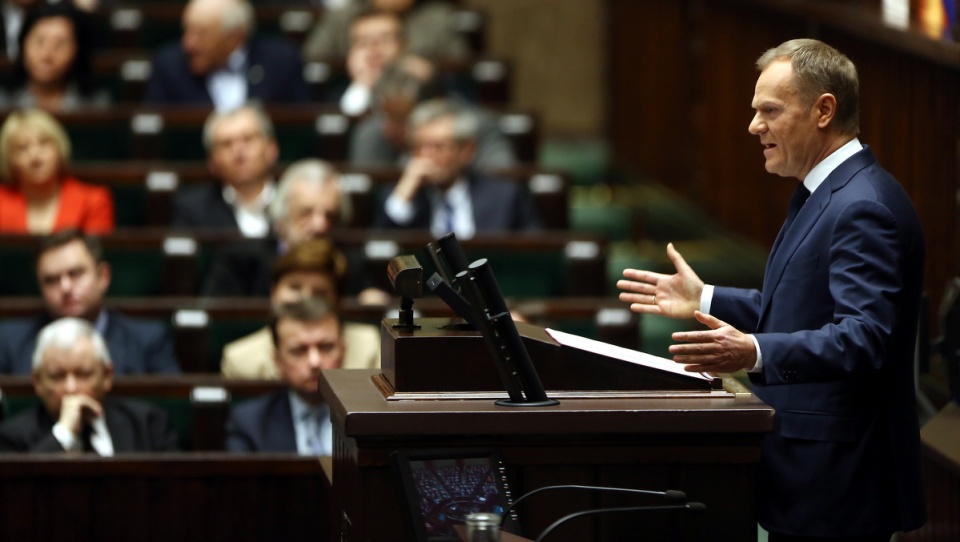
241	153
308	339
73	279
220	62
72	374
439	190
308	205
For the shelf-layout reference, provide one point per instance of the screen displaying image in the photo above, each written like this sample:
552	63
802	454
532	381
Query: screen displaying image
451	489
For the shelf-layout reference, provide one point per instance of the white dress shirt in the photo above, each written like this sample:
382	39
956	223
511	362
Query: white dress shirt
252	219
99	438
312	427
228	84
455	202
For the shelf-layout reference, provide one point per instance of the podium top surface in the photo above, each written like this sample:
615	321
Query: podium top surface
357	404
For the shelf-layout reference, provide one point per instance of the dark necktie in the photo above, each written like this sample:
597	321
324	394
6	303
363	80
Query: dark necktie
448	211
799	197
85	437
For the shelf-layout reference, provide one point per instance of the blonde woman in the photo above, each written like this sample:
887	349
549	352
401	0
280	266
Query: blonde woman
38	196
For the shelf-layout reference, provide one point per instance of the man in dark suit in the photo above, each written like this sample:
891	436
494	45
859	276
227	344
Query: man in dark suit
294	419
218	61
72	374
241	153
829	340
439	190
73	279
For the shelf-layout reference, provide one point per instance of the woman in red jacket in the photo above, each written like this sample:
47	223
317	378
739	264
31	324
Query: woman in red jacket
38	195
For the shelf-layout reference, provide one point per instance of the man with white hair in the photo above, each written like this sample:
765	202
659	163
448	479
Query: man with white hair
308	205
241	153
72	374
220	61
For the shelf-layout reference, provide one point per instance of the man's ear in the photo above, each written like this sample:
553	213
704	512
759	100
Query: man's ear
826	109
104	275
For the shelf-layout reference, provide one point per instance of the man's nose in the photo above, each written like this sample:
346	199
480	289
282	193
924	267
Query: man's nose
314	359
66	283
70	384
756	125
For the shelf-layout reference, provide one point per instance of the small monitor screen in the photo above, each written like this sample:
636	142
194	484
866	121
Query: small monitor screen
441	488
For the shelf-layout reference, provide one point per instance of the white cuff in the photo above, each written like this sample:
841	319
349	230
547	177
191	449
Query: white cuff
758	367
706	298
66	438
400	211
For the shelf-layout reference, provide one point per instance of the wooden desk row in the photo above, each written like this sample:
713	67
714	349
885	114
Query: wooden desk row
201	327
161	262
162	497
143	191
317	130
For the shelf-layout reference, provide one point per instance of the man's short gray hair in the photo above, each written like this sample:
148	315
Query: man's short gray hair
63	334
240	16
214	118
312	171
465	123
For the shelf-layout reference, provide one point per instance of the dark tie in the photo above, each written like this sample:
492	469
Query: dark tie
85	437
799	197
448	211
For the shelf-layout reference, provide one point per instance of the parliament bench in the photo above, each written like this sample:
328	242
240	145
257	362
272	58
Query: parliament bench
144	190
200	327
161	497
174	132
157	262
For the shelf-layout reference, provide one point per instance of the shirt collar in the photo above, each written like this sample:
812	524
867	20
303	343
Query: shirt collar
821	171
298	407
263	199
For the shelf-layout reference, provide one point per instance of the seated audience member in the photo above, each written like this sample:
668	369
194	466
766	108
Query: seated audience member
219	61
440	191
53	70
308	205
39	195
242	152
429	29
376	39
72	375
12	14
380	140
73	280
314	268
293	419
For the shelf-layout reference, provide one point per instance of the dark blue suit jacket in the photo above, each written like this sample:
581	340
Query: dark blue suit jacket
136	346
203	207
274	75
263	424
133	427
499	206
836	324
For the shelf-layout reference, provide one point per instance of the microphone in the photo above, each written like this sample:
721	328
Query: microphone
694	507
670	494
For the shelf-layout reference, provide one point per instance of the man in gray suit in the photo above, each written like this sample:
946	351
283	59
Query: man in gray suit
74	279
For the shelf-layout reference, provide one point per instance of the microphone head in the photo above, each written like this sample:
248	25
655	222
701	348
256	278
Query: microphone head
675	495
696	507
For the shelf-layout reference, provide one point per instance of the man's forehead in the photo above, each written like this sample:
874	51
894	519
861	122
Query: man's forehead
304	330
71	254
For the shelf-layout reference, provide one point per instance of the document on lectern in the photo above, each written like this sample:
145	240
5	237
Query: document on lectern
621	353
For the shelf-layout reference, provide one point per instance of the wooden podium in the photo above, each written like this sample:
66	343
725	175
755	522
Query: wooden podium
704	443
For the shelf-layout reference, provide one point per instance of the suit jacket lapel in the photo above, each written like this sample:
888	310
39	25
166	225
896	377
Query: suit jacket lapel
806	218
282	435
121	434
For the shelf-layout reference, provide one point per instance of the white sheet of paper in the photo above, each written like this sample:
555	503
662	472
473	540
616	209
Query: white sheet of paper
625	354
